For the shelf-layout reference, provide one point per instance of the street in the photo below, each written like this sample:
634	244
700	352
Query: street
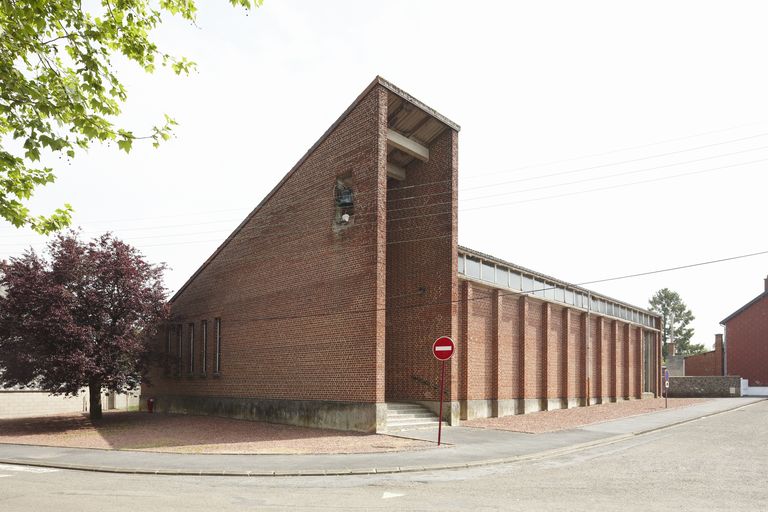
714	463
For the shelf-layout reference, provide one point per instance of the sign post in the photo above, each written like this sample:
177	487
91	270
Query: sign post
666	387
443	349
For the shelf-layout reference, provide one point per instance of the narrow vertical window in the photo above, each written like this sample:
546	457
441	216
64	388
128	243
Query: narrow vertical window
217	361
179	349
204	343
168	336
191	348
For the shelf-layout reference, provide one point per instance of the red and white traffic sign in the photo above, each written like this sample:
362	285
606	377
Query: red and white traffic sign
443	348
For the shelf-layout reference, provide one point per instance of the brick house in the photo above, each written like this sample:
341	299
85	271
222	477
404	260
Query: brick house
710	363
746	341
321	307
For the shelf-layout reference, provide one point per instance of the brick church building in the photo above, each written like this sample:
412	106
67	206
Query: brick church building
321	307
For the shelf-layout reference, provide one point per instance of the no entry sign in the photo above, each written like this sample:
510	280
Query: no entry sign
443	348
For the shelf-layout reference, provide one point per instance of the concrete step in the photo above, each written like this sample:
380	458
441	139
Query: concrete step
405	407
416	426
414	421
391	415
405	416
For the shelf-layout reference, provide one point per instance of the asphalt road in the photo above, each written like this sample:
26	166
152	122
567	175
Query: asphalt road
715	463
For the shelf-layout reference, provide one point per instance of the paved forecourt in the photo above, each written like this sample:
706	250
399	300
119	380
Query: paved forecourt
465	447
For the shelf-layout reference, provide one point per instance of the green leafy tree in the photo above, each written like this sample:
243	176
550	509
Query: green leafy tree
676	317
59	92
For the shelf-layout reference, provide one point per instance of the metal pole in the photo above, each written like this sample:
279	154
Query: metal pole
440	417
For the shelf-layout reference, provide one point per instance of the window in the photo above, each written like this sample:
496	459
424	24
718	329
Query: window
527	284
461	263
502	277
204	343
559	294
168	342
538	288
489	272
191	349
344	199
549	291
179	349
473	268
515	281
217	360
569	296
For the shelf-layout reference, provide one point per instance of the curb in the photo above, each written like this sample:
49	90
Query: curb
372	471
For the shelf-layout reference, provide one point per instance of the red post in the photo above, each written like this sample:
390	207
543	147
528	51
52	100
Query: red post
440	417
442	349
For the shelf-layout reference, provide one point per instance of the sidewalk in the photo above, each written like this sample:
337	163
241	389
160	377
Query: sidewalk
464	447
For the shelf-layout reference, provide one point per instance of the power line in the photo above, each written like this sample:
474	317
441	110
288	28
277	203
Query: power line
488	296
620	150
560	173
670	269
266	238
513	181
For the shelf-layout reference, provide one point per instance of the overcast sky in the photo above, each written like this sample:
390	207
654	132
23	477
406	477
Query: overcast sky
598	138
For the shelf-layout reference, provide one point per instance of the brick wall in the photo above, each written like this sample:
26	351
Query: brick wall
540	351
300	296
708	363
510	384
746	337
421	274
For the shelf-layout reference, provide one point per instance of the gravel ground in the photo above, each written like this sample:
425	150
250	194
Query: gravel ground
205	434
192	434
561	419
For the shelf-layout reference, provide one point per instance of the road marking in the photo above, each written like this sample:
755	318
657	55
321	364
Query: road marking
388	495
25	469
1	476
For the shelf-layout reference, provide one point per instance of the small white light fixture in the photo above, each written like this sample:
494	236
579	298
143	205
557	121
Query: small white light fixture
345	218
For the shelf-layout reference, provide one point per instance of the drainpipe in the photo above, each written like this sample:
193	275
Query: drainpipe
586	345
725	352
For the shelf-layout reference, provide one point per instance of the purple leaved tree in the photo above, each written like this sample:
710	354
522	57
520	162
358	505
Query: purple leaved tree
83	316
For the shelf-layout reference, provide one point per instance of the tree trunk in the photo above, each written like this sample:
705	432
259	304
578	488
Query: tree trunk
94	389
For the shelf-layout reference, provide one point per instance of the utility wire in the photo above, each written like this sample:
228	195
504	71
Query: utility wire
614	151
520	191
266	238
488	296
519	180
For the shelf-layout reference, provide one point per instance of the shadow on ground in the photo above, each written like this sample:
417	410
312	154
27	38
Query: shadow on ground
195	434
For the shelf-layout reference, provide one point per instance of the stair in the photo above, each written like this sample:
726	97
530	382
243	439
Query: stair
404	416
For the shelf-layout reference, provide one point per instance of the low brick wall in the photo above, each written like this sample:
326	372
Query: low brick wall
707	387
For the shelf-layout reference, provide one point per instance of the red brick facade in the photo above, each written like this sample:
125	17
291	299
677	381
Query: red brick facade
746	341
708	363
324	317
532	354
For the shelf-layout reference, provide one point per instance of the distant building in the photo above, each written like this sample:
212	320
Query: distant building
28	402
321	307
675	363
708	363
746	341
